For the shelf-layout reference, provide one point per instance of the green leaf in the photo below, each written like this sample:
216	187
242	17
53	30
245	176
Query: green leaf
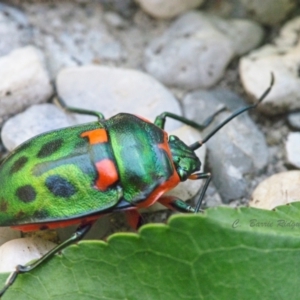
221	254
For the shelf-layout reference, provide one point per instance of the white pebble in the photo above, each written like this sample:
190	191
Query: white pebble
292	147
24	80
167	8
21	251
279	189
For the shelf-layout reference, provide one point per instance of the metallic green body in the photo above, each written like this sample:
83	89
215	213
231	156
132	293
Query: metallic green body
51	177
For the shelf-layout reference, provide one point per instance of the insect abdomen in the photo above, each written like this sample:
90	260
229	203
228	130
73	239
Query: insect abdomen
54	177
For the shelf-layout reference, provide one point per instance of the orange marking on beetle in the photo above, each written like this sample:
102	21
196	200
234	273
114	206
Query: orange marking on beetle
193	177
96	136
107	174
133	218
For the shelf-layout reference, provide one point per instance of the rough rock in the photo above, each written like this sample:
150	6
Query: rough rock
267	12
7	234
196	49
14	29
24	82
71	36
114	90
294	119
292	147
279	189
283	59
35	120
21	251
238	150
167	8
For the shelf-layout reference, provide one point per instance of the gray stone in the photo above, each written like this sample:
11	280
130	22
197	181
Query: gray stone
267	12
21	251
70	35
238	150
125	8
35	120
197	48
115	90
25	80
255	73
283	59
292	147
7	234
294	119
279	189
114	20
167	8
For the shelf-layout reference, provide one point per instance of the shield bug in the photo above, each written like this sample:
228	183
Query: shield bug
76	174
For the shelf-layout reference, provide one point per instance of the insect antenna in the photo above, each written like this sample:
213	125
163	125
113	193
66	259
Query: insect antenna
239	111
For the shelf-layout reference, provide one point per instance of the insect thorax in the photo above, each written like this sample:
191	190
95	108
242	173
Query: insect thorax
185	160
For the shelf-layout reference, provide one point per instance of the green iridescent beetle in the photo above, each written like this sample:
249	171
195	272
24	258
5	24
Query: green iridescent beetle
76	174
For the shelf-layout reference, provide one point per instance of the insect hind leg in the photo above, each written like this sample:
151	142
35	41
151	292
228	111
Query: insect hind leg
77	110
78	235
179	205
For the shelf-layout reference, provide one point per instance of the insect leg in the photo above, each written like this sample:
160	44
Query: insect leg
134	218
78	235
161	119
177	204
76	110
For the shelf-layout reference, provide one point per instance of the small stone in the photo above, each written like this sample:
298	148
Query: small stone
255	72
115	90
21	251
126	8
282	59
279	189
294	120
167	8
195	51
114	20
7	234
292	147
267	12
212	197
35	120
14	29
25	80
70	35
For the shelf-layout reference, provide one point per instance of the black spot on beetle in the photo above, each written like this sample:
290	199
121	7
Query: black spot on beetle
18	164
40	214
50	148
60	187
26	193
19	215
3	206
